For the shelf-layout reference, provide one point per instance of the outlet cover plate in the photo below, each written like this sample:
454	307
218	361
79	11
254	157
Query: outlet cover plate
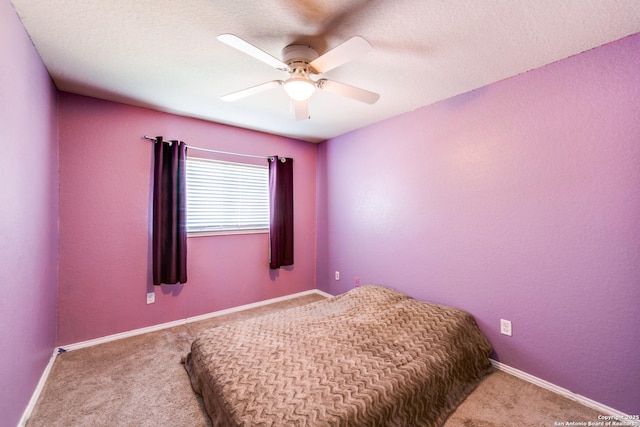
505	327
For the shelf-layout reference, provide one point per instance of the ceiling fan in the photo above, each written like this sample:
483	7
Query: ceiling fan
302	62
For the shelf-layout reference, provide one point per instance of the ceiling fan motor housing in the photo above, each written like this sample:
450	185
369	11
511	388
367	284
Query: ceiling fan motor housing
298	57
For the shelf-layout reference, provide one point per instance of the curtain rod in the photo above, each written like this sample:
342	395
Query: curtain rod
151	138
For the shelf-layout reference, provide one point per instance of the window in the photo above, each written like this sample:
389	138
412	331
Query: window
226	197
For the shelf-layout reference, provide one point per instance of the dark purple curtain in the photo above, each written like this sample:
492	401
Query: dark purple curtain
169	213
280	211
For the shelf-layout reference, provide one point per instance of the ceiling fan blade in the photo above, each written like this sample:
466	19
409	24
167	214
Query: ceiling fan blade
246	47
349	91
340	54
301	109
234	96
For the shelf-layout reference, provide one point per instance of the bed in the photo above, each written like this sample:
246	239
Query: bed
369	357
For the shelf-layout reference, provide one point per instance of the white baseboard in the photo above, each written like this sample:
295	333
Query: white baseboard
603	409
498	365
323	293
114	337
161	326
36	394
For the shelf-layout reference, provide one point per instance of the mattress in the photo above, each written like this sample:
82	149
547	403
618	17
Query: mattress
370	357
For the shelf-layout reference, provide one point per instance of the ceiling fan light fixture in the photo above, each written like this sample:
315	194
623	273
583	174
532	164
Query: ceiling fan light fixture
299	89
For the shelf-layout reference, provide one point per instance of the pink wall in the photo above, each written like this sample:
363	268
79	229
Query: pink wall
28	217
520	200
105	189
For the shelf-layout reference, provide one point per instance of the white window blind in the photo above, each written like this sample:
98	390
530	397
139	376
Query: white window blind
226	196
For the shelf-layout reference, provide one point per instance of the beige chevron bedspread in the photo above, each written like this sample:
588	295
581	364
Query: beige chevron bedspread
369	357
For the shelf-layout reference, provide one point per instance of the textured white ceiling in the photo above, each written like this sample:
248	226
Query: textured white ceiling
164	55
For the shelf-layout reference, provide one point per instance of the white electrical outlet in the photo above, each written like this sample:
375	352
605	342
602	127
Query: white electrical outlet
151	297
337	275
505	327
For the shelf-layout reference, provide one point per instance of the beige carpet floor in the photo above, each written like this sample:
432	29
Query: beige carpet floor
139	381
